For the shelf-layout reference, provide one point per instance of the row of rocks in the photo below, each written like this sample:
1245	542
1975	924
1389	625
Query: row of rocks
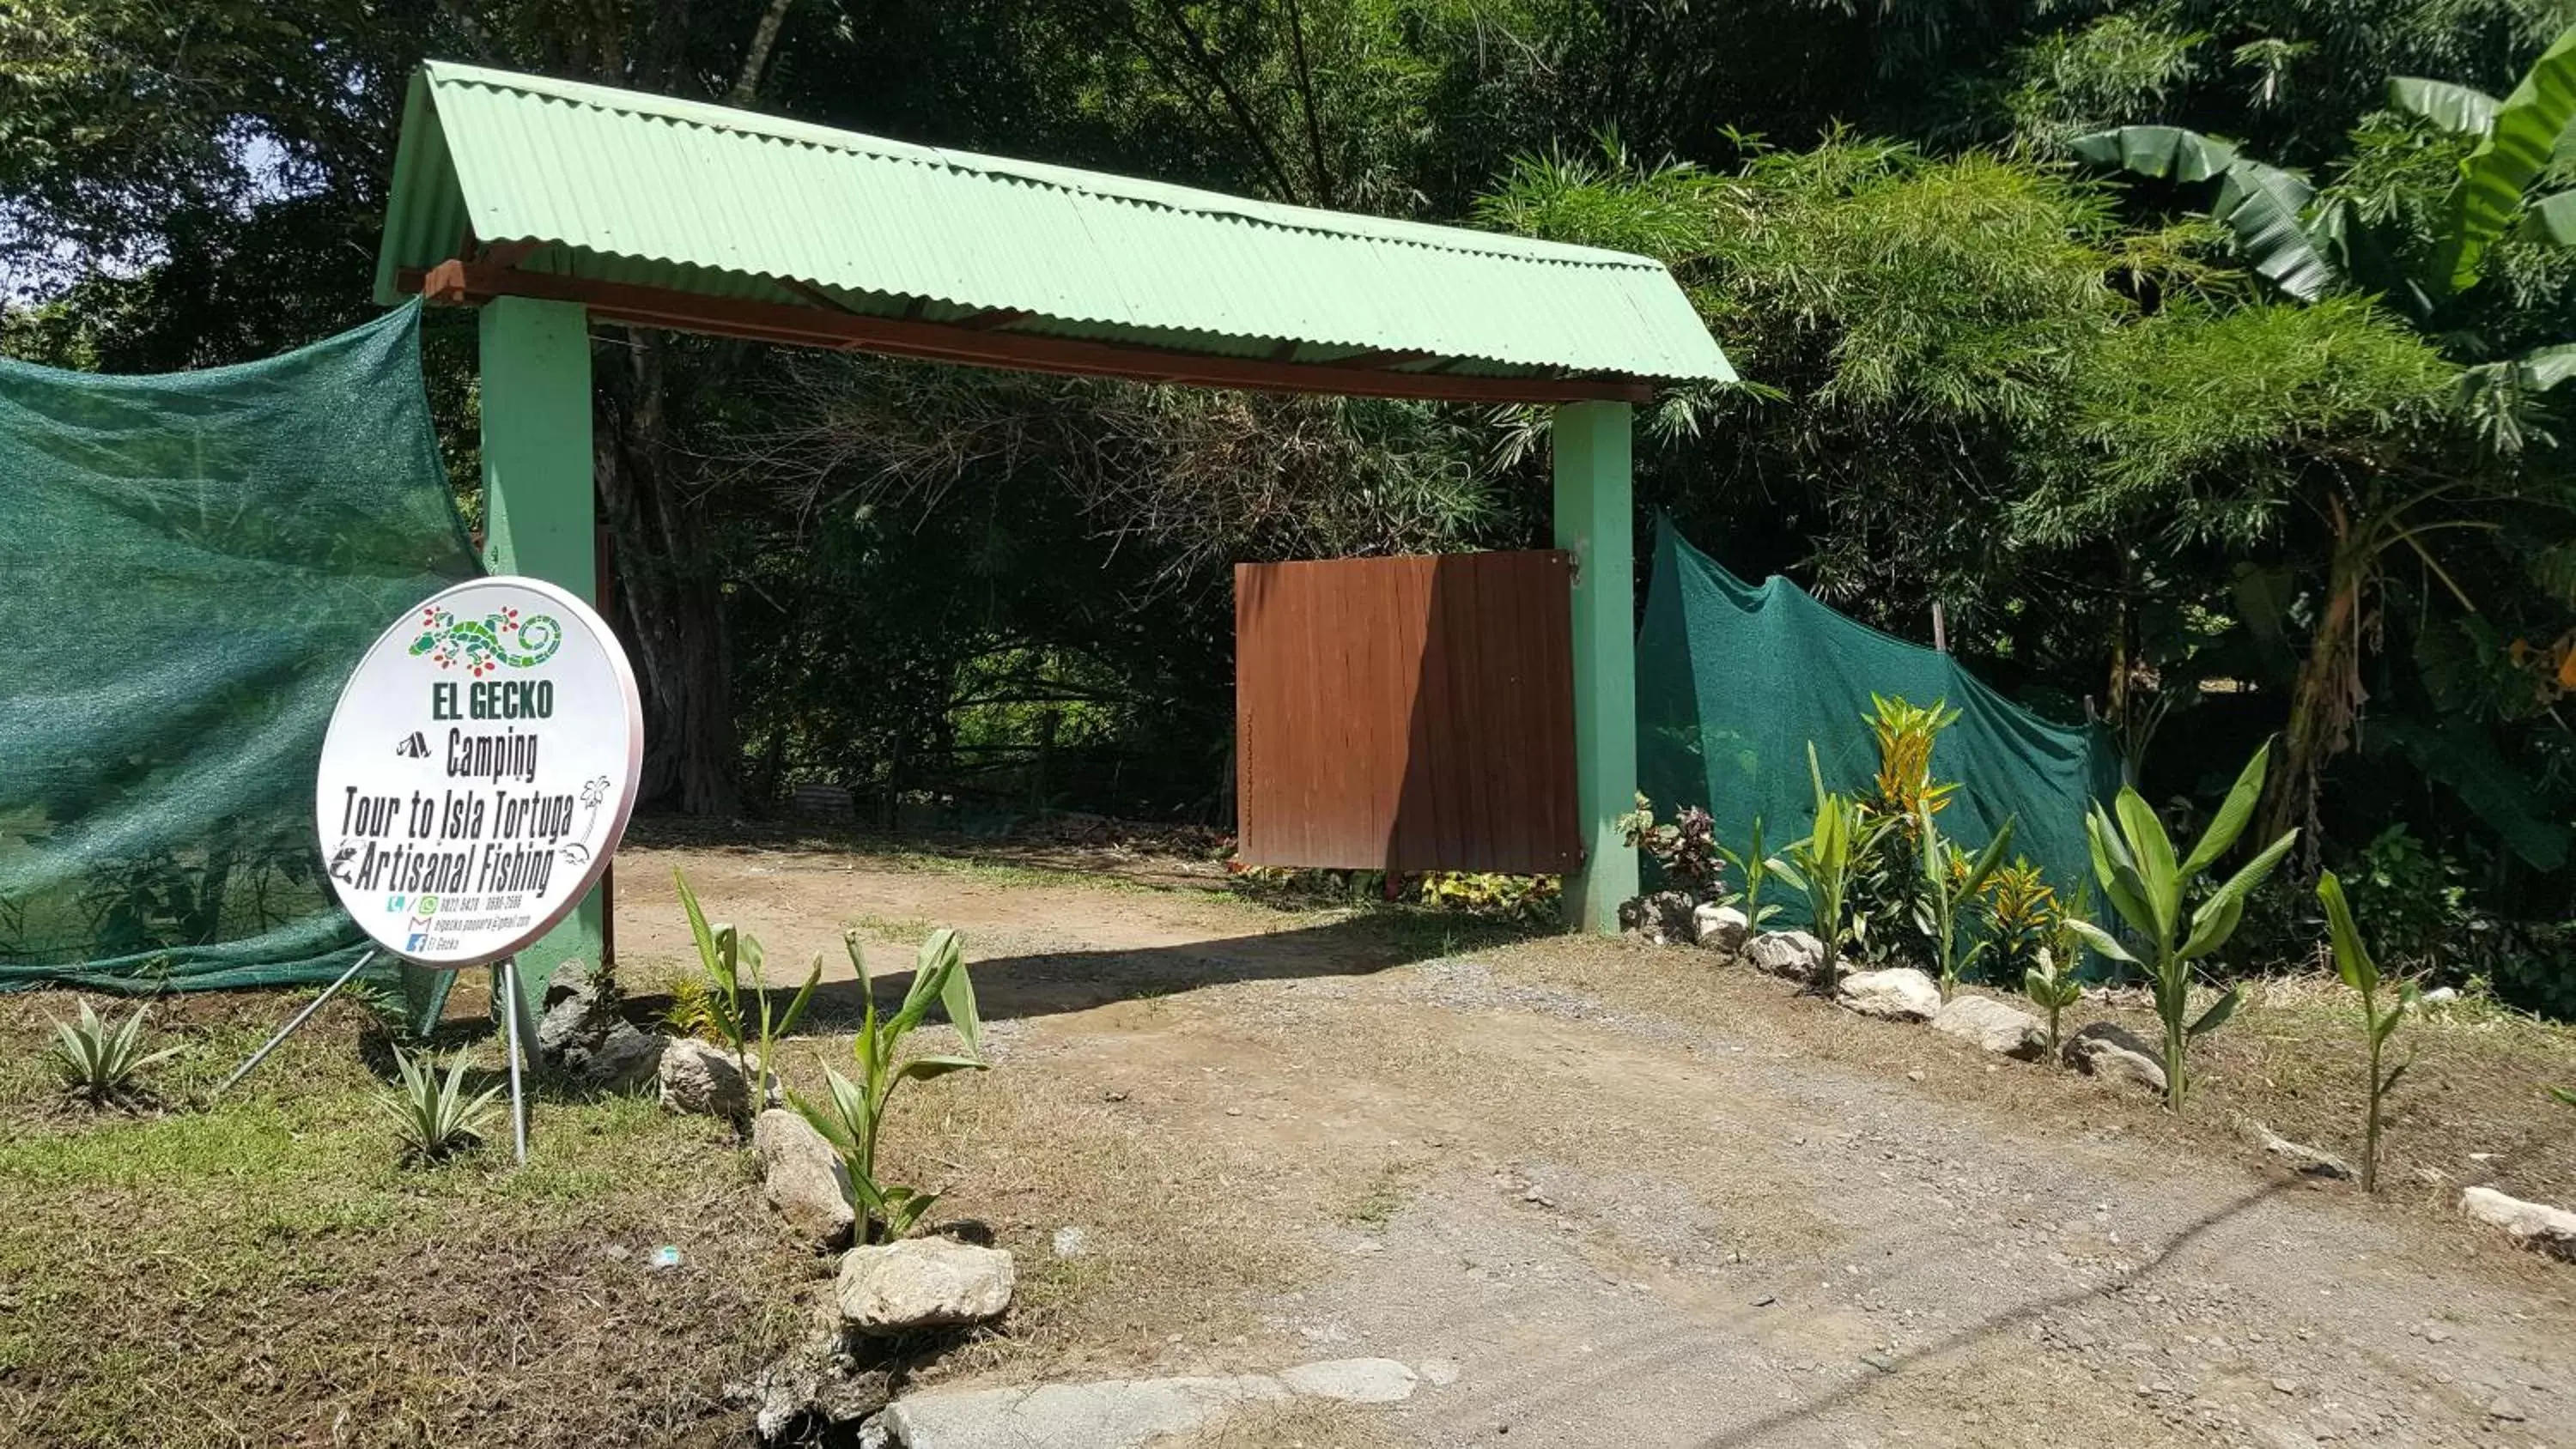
845	1371
581	1036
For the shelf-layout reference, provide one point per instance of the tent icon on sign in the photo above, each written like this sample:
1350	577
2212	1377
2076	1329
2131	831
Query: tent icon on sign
414	748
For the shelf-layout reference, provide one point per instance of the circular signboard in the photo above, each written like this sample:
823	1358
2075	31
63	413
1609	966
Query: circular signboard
479	771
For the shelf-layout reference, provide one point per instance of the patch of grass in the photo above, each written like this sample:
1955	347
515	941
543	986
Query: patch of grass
1385	1196
263	1271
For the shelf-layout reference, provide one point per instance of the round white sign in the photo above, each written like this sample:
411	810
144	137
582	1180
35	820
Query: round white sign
479	771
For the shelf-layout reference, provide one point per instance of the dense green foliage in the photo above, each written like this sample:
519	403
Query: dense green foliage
2217	447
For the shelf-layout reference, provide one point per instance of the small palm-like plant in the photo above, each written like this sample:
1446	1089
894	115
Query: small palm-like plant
1950	881
98	1062
1758	870
2134	860
433	1117
729	972
1827	860
2353	963
2051	986
853	1113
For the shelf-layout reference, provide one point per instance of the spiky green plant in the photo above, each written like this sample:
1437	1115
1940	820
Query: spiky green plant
98	1062
433	1117
1826	861
1759	869
1949	884
729	964
2134	860
2353	963
853	1113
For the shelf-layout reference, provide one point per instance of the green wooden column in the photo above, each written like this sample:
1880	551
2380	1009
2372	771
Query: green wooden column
538	514
1595	523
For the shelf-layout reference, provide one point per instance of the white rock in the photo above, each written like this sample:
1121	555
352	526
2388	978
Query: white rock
1071	1242
2314	1161
1352	1380
1793	954
1989	1025
1720	928
1114	1414
2550	1229
1899	993
923	1283
703	1079
803	1178
1440	1373
2115	1053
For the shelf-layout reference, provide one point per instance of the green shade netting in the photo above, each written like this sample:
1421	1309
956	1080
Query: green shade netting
195	562
1733	682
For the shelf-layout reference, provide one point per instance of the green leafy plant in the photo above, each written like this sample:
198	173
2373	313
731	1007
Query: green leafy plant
2353	963
2050	984
434	1119
98	1062
853	1112
1758	869
2134	860
1905	734
1826	861
729	971
1686	848
1950	881
1513	897
2019	913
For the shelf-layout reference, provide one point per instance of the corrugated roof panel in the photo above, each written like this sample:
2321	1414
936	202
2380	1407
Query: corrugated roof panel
639	187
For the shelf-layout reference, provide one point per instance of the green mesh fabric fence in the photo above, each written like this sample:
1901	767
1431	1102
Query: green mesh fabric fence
194	562
1733	681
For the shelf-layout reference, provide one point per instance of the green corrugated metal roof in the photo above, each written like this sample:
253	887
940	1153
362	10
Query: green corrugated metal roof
637	188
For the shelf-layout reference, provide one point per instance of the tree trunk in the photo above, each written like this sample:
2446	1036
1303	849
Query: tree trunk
669	602
2327	695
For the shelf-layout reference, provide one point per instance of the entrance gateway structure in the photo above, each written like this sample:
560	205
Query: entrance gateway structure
549	204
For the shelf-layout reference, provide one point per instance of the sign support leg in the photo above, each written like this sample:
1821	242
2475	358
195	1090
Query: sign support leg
295	1021
518	1094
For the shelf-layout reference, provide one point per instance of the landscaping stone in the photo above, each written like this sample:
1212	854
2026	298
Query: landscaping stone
1899	993
1720	928
803	1179
1989	1025
581	1035
812	1387
2115	1053
1660	919
1126	1413
923	1283
703	1079
1352	1380
2550	1229
2314	1161
1793	954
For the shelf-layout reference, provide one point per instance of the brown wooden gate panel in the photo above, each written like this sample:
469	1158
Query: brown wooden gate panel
1407	713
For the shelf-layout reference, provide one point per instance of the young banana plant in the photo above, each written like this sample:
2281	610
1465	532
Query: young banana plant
853	1113
1758	869
2134	860
1936	912
1826	862
2051	986
730	961
2353	963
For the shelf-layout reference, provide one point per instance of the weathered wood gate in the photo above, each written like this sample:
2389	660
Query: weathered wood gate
1407	713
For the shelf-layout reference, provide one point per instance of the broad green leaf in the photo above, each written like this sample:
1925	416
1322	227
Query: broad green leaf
2242	884
2551	219
2352	958
2544	368
2233	813
928	1069
2211	925
2387	1024
699	932
1989	862
2166	153
2152	849
2217	1015
2262	206
2517	148
2458	109
2101	940
2120	883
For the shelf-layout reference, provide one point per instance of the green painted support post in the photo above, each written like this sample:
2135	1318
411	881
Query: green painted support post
538	512
1595	523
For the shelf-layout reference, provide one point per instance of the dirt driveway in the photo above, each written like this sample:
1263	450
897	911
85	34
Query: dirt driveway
1599	1195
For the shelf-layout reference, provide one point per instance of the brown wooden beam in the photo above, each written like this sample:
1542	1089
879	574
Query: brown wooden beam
991	318
461	283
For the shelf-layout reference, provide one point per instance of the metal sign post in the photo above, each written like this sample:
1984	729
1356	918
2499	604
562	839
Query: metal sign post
295	1021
